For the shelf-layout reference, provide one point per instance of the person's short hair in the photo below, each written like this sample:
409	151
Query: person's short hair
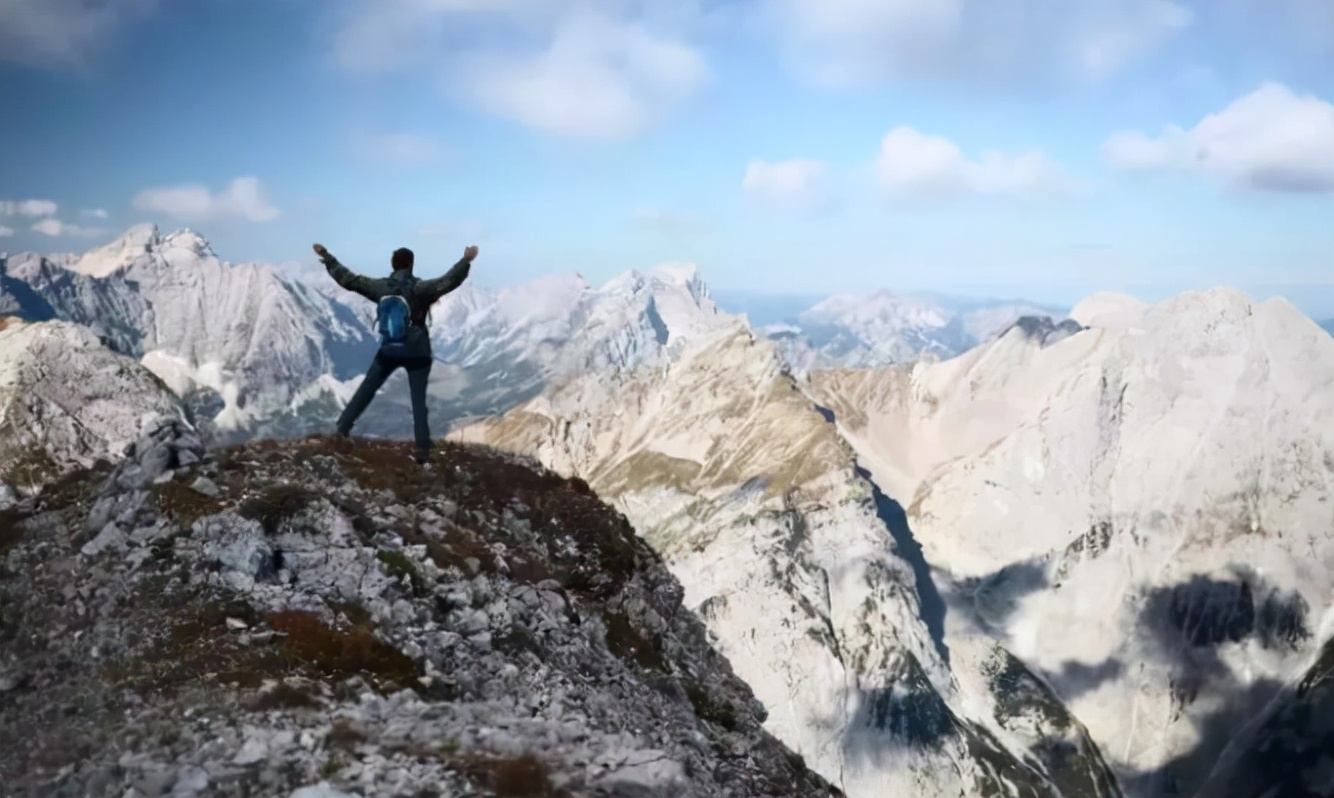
402	259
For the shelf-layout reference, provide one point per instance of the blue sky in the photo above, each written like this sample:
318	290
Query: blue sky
1021	147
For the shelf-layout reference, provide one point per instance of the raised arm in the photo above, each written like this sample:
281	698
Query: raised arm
439	286
344	276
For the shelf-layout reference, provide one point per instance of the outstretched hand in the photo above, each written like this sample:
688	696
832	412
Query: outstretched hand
470	253
321	251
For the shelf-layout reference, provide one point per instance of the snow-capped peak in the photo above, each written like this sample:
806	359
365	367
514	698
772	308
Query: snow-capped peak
879	309
189	241
1109	309
681	273
133	244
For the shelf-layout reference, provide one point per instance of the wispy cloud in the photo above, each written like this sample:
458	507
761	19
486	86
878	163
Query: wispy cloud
6	232
55	228
244	198
30	207
1269	140
62	34
914	165
582	70
800	185
863	42
95	213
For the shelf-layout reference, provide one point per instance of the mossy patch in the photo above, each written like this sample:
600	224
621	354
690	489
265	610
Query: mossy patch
344	736
355	613
388	466
630	644
29	468
277	504
184	504
11	529
400	566
709	709
341	653
522	776
285	696
198	646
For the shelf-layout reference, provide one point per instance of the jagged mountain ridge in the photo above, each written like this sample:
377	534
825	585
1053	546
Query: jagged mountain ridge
1157	487
303	619
234	340
735	477
883	328
276	351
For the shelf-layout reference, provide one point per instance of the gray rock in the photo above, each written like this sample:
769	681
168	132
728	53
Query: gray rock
645	774
206	486
322	790
474	665
110	537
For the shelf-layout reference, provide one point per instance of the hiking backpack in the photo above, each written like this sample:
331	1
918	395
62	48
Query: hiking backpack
393	313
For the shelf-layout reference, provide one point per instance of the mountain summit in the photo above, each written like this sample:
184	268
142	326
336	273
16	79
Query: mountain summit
299	619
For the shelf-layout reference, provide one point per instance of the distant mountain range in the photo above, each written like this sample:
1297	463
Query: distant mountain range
880	328
276	350
979	550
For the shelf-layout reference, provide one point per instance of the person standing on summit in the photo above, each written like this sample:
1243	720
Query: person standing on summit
402	303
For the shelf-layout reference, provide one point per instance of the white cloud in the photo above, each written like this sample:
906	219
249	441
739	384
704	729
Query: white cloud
62	33
599	79
1270	140
914	165
609	70
245	198
50	227
54	227
795	180
862	42
403	149
96	213
6	232
31	208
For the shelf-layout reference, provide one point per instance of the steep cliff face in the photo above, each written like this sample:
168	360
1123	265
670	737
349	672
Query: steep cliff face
308	619
67	402
1141	510
800	569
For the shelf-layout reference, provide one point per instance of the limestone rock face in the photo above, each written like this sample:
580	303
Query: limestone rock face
1142	510
66	402
804	573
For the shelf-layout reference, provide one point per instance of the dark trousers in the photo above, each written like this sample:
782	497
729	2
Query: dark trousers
419	369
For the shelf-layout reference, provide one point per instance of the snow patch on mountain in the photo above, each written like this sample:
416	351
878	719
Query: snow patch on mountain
135	245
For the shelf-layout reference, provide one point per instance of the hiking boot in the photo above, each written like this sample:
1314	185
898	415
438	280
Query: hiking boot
422	458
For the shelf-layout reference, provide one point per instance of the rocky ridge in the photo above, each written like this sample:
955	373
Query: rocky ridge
804	574
312	619
66	402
